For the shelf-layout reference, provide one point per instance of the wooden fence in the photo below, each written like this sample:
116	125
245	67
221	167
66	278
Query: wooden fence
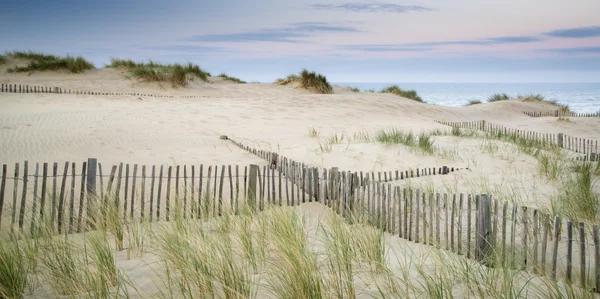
587	147
560	113
18	88
476	226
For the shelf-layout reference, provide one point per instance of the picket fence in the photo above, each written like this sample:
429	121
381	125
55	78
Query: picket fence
22	88
560	113
587	147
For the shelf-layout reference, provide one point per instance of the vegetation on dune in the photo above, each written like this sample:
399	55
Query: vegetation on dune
47	62
308	80
473	102
354	89
540	99
177	74
2	59
498	97
287	80
232	79
409	94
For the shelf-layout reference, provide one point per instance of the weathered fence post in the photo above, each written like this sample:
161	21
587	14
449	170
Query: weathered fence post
484	229
561	140
91	190
252	186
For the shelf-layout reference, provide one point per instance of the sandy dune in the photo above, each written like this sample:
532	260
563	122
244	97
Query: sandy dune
185	131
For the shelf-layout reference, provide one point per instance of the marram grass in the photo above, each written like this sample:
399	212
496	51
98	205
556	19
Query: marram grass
46	62
498	97
309	80
176	74
409	94
232	79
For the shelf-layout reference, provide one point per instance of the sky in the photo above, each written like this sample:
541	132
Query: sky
348	41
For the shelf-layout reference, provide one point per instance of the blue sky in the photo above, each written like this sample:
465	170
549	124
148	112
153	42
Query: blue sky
348	41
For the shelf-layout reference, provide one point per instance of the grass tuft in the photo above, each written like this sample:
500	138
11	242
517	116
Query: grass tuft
473	102
409	94
308	80
177	74
314	81
354	89
13	271
498	97
47	62
232	79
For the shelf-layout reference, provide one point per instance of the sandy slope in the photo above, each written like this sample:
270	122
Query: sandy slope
153	131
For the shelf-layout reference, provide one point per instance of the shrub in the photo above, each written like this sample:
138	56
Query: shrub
2	59
229	78
473	102
314	81
177	74
409	94
46	62
498	97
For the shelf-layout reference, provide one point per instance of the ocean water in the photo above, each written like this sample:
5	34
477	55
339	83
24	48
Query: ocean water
581	97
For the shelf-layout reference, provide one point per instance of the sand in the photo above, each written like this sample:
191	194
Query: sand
170	131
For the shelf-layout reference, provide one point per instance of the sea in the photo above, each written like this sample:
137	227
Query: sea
581	97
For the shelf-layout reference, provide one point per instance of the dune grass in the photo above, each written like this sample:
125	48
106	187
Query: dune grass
473	102
540	99
176	74
47	62
498	97
287	80
354	89
409	94
232	79
2	59
577	199
309	80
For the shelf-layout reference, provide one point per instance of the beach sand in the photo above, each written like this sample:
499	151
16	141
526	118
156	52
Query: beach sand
185	131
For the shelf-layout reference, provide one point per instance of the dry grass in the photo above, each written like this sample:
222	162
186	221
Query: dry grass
48	62
409	94
538	98
473	102
232	79
498	97
309	80
177	74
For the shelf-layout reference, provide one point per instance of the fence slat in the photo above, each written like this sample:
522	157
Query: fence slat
23	195
72	199
81	195
15	194
35	189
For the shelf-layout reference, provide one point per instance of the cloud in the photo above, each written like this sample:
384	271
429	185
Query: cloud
428	46
371	7
384	48
581	32
513	39
574	50
186	48
287	34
